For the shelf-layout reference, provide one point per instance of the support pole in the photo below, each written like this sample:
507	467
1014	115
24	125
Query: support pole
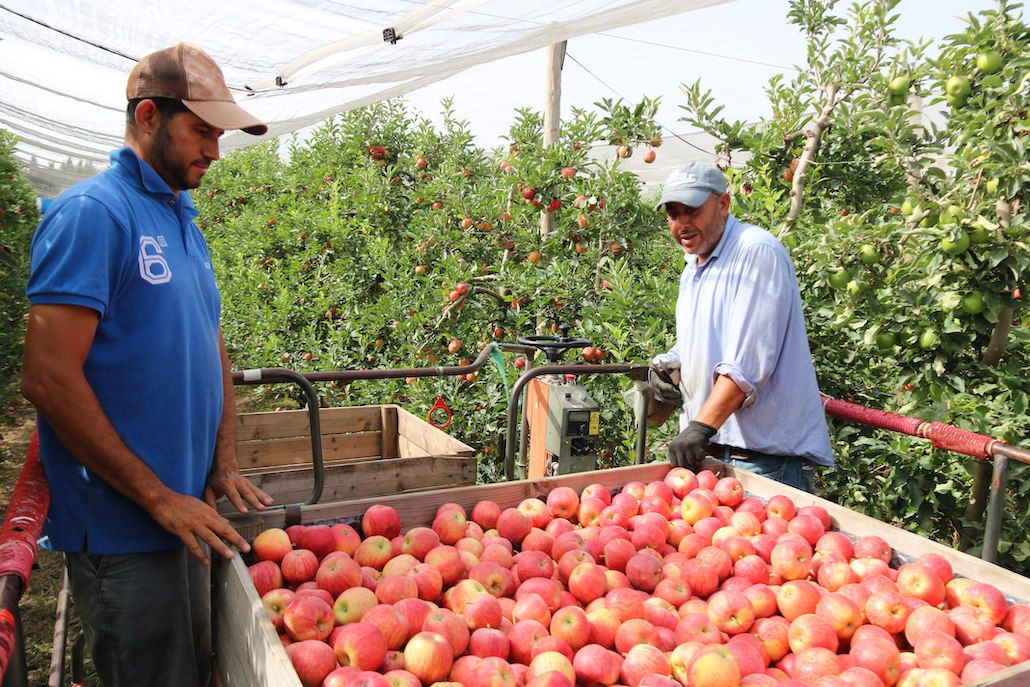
552	114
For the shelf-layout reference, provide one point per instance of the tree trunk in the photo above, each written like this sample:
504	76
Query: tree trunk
979	491
813	137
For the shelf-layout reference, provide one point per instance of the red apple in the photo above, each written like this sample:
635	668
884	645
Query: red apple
352	604
872	546
487	641
814	663
428	656
731	612
879	655
338	572
418	541
275	602
514	525
642	660
595	664
308	617
713	666
447	561
485	514
571	624
812	630
843	615
319	539
272	545
887	610
450	524
346	538
796	598
313	660
266	576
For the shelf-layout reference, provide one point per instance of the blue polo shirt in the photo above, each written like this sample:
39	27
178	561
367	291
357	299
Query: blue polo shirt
122	244
739	314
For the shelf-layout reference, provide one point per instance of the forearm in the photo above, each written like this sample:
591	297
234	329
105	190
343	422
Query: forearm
726	397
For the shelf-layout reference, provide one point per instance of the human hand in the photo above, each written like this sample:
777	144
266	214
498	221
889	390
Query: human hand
226	480
688	449
194	521
663	379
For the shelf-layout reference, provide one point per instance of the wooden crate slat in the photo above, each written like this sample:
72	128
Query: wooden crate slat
247	650
294	423
407	449
268	452
430	439
351	480
388	420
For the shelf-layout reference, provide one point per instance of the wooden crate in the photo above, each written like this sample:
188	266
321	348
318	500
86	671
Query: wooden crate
366	451
249	653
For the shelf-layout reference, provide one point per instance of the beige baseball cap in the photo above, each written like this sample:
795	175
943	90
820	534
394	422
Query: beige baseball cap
187	73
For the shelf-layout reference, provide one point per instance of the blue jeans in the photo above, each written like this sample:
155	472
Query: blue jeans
790	470
146	616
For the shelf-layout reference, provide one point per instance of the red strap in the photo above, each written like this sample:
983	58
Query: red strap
439	405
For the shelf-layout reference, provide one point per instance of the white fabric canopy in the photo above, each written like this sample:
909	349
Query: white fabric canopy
291	62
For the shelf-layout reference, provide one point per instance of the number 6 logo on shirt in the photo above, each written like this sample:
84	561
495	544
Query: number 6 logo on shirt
152	266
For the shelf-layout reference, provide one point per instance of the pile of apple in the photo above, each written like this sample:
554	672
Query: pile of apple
682	582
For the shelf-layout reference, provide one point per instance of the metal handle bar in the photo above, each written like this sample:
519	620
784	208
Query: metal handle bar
278	375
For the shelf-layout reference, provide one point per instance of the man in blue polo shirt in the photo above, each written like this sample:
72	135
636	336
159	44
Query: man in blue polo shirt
125	363
741	367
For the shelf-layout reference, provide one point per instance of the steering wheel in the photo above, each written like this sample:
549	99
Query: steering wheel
554	347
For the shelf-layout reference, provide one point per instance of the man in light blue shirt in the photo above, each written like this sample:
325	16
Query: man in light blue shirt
746	380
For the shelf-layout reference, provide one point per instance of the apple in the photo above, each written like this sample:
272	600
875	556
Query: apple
791	558
345	537
393	588
796	598
812	630
451	626
534	564
463	669
450	525
401	563
595	664
550	660
418	541
338	572
492	671
537	510
531	607
352	604
642	660
271	545
808	526
936	649
448	562
729	491
695	507
314	591
988	601
342	675
313	660
307	617
842	613
496	580
319	539
485	514
266	576
702	578
780	506
513	525
428	656
587	582
813	663
977	669
374	552
697	627
488	641
275	602
879	655
523	637
483	611
713	666
773	634
731	612
299	565
570	624
763	600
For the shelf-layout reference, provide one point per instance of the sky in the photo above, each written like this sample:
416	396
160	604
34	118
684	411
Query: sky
735	48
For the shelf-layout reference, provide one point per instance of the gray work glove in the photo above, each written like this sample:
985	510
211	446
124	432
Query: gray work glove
689	447
664	382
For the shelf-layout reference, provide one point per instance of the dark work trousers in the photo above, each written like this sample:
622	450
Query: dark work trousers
146	616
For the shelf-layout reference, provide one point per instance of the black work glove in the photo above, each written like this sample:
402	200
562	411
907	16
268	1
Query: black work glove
688	449
664	382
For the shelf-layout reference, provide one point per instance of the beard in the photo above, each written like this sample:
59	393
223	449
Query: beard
171	168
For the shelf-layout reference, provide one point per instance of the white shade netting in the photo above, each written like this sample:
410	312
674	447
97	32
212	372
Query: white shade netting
291	63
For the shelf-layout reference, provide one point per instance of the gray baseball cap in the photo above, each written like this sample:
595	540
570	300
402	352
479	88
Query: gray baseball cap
691	185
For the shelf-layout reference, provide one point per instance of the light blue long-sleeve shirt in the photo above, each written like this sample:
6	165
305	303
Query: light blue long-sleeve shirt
739	314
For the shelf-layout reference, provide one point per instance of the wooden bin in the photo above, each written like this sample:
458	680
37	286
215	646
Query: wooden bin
249	652
366	451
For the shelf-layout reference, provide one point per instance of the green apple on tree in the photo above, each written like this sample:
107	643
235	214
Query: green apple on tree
868	254
955	244
840	279
989	61
885	340
973	303
929	339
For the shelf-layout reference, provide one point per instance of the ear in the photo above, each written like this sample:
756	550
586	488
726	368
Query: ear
147	116
724	202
